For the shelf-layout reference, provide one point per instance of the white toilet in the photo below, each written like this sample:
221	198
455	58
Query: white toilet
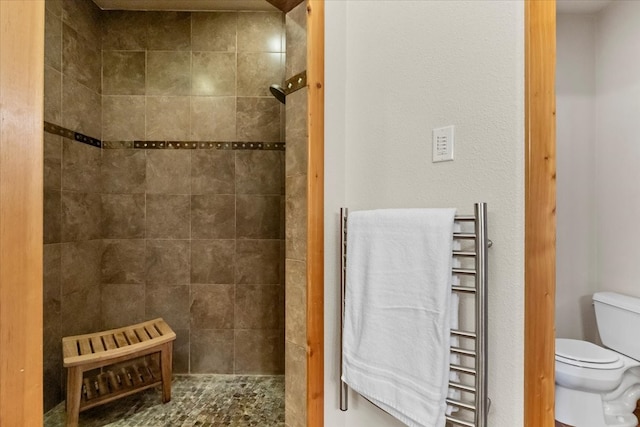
596	386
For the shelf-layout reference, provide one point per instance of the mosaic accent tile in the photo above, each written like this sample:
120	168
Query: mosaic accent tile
203	400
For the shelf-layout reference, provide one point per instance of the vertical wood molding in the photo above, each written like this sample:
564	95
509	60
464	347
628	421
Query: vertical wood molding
21	195
540	212
315	214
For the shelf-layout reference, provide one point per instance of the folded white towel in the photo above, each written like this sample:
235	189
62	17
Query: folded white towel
397	311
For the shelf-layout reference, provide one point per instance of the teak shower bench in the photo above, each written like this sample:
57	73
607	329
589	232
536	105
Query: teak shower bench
83	353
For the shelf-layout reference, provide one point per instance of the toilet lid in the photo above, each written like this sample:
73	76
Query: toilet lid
586	354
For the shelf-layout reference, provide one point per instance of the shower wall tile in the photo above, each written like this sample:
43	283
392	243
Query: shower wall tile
84	17
213	118
212	172
259	351
258	119
80	266
181	349
81	311
296	36
52	95
123	118
212	351
257	71
167	216
52	334
213	261
123	72
80	167
258	262
81	59
168	171
81	216
212	306
54	6
52	207
52	161
260	32
214	74
81	108
168	30
167	118
122	305
53	41
213	217
296	307
257	217
169	302
259	172
124	30
123	216
123	171
296	133
295	385
214	31
258	307
168	73
296	217
123	261
167	262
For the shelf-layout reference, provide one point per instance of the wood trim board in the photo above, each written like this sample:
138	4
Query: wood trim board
540	212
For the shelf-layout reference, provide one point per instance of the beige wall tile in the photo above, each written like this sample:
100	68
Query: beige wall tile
296	133
259	70
123	118
167	262
296	217
213	217
181	350
84	17
258	119
213	261
81	108
123	72
123	261
169	30
123	171
167	118
81	216
52	161
212	306
168	73
53	41
212	172
122	305
258	307
213	118
214	73
260	31
124	30
52	334
212	351
80	266
167	216
80	312
296	30
258	262
214	31
53	96
80	167
257	216
52	223
123	216
258	172
168	171
296	308
259	351
169	302
54	6
295	385
81	59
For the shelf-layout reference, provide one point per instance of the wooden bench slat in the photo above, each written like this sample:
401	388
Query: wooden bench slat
120	339
162	326
109	342
113	381
85	346
70	348
126	378
151	330
103	388
131	336
89	391
97	345
142	334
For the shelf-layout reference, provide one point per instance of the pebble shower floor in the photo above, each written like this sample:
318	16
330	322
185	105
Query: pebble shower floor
196	400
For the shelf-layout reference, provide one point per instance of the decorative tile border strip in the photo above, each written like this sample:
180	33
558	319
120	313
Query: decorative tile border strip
67	133
192	145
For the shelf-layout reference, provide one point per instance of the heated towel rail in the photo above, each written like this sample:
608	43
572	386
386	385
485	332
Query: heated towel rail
470	262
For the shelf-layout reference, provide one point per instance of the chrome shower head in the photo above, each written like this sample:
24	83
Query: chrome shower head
278	92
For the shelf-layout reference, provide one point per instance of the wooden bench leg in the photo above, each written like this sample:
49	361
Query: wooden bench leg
74	391
166	356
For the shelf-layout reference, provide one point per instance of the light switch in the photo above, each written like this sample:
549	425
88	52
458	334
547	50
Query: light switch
443	144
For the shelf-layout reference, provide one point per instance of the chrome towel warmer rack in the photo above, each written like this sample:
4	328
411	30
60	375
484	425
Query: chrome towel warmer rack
473	362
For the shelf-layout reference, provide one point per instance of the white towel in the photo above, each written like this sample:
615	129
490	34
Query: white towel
397	311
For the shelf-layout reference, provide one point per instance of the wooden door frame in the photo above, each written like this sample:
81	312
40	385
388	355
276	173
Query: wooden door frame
21	368
540	213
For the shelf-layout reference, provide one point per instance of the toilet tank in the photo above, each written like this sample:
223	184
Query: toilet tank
618	318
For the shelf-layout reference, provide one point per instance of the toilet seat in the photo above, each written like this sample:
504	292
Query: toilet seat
586	355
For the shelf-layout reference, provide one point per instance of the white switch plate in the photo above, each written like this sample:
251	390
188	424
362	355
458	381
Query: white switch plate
443	144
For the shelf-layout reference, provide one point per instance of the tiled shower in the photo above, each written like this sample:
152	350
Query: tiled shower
165	183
